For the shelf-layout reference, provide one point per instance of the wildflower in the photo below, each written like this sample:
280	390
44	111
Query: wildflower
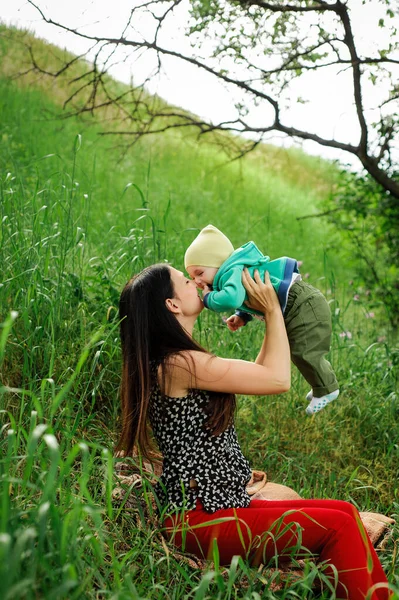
381	338
300	263
306	275
367	292
356	297
369	315
351	282
346	334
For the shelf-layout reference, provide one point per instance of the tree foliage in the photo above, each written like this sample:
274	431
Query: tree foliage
367	217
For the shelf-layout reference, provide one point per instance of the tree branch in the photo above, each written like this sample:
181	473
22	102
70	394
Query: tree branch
284	8
342	11
150	119
318	215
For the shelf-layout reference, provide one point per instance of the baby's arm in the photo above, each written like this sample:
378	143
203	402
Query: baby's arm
244	316
231	296
240	319
234	322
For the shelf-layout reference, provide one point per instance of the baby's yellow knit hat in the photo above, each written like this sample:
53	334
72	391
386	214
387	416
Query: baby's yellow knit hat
209	249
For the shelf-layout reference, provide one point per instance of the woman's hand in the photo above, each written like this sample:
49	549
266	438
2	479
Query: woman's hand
261	295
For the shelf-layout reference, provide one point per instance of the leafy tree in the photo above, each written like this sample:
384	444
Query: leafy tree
259	49
367	217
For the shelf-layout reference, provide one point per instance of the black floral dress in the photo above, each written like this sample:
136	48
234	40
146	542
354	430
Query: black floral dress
191	452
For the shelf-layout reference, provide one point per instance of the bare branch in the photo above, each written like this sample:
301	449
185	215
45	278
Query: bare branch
350	42
165	52
255	82
319	215
320	6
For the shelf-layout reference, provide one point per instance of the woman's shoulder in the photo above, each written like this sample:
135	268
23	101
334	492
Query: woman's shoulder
184	364
181	370
187	358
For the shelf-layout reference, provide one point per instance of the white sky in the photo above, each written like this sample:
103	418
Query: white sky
330	113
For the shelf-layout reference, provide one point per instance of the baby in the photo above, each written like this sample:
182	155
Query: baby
216	268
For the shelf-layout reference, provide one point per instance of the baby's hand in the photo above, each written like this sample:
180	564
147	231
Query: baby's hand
206	289
234	322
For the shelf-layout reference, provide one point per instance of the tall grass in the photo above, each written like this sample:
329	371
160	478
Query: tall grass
76	222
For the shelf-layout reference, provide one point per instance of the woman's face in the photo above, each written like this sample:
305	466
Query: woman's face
186	293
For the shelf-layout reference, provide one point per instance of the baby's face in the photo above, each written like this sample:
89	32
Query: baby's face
202	275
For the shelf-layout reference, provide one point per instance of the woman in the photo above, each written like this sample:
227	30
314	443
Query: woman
187	396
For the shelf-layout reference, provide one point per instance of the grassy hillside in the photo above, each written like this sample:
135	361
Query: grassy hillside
272	187
78	217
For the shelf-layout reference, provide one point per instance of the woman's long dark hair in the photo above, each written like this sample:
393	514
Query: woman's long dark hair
150	333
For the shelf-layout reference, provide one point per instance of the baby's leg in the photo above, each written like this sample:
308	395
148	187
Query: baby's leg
309	332
317	404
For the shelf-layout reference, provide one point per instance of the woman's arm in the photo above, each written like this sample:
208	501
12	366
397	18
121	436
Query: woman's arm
275	344
269	374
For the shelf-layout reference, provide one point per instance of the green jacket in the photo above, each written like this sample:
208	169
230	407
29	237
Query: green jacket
228	291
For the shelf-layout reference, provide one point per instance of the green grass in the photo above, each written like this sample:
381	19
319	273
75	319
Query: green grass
77	220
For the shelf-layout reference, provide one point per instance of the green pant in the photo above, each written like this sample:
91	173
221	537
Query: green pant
308	322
